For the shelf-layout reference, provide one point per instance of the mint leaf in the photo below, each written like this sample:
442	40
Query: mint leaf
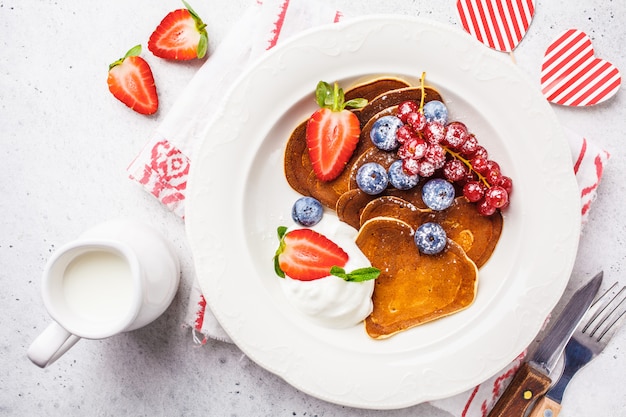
358	275
356	103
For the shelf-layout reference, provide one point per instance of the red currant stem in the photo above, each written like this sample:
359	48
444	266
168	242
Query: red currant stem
451	152
422	79
468	164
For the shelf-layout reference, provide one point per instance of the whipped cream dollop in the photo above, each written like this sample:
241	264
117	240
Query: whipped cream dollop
332	301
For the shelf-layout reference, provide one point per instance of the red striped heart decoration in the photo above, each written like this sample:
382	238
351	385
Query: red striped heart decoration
499	24
572	76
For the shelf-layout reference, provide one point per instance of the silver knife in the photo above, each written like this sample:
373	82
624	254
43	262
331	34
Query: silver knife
533	377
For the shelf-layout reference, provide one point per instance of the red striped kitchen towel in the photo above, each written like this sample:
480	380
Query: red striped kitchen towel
163	165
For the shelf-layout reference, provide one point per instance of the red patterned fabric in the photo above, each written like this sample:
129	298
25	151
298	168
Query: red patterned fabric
163	172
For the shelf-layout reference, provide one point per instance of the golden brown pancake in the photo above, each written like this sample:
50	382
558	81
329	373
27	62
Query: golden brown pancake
296	160
395	97
328	192
297	165
412	288
393	207
350	205
373	154
371	89
476	234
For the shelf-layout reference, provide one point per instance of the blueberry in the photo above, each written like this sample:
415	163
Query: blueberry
436	111
430	238
307	211
372	178
384	133
438	194
399	178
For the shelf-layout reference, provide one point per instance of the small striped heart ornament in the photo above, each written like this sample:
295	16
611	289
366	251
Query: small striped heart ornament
571	75
499	24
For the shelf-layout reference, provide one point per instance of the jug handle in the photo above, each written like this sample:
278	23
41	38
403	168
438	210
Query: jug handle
50	345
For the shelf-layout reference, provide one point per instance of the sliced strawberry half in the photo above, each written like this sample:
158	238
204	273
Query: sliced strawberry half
305	255
130	80
332	132
180	36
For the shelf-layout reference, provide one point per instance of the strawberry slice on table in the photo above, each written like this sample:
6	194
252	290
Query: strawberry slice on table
305	255
180	36
332	132
130	80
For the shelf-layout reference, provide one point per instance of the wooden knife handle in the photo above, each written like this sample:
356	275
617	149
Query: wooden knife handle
527	385
545	407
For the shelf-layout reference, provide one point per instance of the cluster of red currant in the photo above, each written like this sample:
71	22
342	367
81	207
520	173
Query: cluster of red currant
427	146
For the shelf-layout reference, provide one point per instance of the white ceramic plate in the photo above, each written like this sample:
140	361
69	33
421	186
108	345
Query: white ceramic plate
238	196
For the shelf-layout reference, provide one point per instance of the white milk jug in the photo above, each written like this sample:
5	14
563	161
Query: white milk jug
116	277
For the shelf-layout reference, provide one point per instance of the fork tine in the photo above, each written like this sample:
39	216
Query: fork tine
615	324
605	320
597	307
610	331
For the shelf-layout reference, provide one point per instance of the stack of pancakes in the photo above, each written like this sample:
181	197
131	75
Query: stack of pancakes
412	288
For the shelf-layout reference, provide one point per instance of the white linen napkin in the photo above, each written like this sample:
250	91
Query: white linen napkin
163	164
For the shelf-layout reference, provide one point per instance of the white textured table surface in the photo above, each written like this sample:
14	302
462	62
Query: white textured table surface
66	143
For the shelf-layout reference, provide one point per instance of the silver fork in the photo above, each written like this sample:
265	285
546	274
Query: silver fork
601	322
